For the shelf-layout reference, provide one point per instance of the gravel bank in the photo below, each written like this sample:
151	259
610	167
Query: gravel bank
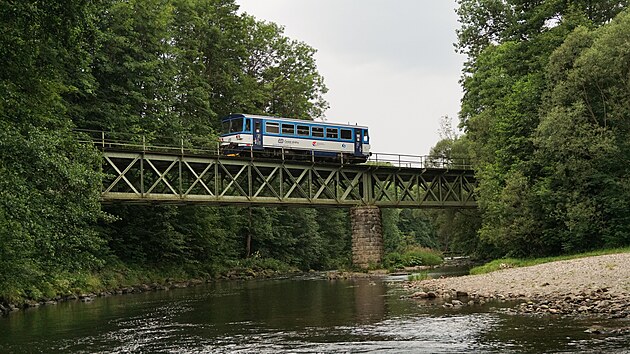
594	285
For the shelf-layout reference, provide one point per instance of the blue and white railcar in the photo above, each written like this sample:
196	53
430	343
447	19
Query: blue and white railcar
247	132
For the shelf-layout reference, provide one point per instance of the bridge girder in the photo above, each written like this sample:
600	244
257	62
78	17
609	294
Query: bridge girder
153	177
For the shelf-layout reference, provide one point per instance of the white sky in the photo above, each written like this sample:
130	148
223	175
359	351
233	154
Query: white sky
388	64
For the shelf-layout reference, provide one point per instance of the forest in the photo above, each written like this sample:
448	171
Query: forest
545	116
546	112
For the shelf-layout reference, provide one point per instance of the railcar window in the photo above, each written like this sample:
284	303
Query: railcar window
318	132
302	130
346	134
272	128
248	125
225	126
332	133
366	137
288	129
236	125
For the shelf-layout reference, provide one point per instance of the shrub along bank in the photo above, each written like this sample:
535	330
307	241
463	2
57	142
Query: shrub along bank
412	256
119	278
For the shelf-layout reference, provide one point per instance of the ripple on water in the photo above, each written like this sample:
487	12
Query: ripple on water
303	316
396	335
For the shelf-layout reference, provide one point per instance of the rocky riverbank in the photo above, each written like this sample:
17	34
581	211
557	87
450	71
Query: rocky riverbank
234	274
587	286
90	296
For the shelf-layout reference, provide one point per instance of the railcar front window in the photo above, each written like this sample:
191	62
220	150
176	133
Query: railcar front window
346	134
332	133
302	130
225	126
288	129
318	132
272	128
366	137
236	125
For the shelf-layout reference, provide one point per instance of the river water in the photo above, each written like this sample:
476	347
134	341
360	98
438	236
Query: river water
298	315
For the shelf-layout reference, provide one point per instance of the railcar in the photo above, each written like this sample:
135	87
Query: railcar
244	134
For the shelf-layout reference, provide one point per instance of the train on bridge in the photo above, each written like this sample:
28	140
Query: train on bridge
245	134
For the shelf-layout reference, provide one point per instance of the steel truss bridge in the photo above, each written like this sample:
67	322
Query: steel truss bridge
138	173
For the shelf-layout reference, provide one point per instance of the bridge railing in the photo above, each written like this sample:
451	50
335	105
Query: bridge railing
419	161
191	146
152	142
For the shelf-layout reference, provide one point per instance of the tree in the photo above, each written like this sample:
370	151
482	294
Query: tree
134	71
583	139
48	182
509	46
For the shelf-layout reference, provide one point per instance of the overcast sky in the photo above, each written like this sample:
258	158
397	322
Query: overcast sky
388	64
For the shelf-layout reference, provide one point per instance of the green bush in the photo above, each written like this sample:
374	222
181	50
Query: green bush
393	261
412	257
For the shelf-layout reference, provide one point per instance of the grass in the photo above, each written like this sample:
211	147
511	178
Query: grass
418	276
503	263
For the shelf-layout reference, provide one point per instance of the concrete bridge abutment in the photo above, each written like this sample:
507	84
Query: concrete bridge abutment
367	236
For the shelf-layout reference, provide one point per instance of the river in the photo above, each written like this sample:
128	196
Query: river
307	314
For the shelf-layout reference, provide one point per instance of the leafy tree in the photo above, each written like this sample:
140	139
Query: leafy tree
508	97
583	139
170	69
133	69
48	182
164	69
393	239
281	73
456	230
417	229
334	228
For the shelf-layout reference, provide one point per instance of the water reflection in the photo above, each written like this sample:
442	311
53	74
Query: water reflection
301	316
369	301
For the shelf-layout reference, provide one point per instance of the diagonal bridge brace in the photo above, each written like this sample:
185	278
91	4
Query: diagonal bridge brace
296	183
198	178
233	181
350	188
161	176
266	182
121	175
324	185
406	187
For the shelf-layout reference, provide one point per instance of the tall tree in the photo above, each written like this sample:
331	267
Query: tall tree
134	70
583	139
509	44
48	182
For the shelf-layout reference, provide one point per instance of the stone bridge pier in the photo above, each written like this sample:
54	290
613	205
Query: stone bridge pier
367	236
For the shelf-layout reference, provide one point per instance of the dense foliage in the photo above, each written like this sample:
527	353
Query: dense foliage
48	185
546	110
166	70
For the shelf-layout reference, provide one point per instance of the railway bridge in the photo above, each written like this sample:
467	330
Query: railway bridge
136	172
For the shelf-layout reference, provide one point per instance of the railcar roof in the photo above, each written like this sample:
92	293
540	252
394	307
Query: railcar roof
292	120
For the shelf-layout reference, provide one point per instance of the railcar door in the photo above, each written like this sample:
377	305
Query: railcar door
258	134
358	142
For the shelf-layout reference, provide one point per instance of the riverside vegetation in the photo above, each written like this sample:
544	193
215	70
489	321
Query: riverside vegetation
545	114
166	71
